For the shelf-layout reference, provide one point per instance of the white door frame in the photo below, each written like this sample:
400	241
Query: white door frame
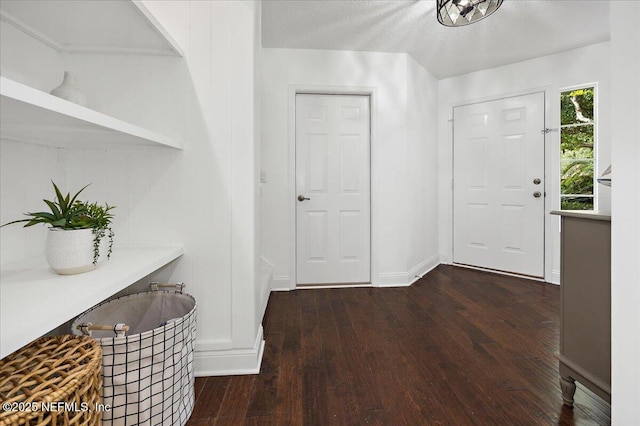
551	176
293	90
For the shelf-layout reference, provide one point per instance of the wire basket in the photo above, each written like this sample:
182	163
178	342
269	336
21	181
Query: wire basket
147	362
52	381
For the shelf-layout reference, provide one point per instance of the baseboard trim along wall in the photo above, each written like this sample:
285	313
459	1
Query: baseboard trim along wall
493	271
385	279
228	362
405	279
280	283
446	259
392	279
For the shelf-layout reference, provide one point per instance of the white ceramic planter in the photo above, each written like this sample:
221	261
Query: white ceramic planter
71	251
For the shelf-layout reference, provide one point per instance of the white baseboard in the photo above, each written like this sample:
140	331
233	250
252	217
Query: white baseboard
392	279
446	259
229	362
496	272
385	279
280	283
405	279
423	268
319	286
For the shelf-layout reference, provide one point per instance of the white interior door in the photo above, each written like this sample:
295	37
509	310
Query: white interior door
498	196
332	189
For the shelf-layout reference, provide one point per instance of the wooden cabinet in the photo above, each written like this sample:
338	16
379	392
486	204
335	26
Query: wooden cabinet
585	309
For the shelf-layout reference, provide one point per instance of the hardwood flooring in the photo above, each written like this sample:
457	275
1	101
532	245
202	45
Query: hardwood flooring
459	347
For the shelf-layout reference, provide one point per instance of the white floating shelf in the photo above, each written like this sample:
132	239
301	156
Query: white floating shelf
34	300
30	115
115	26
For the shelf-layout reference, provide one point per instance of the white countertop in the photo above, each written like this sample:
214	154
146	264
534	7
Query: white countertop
584	214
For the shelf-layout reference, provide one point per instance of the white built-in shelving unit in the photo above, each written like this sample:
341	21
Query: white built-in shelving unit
30	115
33	299
114	26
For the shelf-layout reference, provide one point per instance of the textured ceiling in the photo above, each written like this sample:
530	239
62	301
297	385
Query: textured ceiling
519	30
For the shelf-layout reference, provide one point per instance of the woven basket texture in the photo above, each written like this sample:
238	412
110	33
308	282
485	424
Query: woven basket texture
60	369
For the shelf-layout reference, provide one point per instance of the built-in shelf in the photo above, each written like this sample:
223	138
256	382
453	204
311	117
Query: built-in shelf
34	300
30	115
115	26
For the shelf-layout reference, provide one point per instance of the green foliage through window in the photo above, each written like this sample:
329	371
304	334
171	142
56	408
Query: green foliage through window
577	134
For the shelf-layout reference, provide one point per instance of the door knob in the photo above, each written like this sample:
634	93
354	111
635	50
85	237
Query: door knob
536	181
537	194
302	198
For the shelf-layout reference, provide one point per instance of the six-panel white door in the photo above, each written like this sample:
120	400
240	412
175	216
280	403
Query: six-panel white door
498	196
332	189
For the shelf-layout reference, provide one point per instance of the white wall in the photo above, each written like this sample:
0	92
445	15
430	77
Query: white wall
550	74
422	170
384	75
204	197
625	219
26	170
264	271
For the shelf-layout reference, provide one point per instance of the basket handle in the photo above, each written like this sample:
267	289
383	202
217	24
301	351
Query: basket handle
154	286
119	328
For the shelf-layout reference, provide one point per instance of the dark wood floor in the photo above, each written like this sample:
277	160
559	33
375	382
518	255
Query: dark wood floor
459	347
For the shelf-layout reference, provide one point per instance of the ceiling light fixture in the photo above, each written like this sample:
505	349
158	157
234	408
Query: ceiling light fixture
457	13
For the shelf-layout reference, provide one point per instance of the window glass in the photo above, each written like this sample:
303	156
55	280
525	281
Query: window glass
577	147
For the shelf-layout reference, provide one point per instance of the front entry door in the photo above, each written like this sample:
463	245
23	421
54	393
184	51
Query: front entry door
498	196
332	189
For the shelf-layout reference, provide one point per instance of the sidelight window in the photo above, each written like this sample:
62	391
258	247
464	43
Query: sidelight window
577	149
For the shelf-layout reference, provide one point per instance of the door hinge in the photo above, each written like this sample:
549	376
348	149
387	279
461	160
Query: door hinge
548	130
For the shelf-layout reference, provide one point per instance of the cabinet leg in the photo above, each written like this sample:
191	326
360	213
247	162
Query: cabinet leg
568	386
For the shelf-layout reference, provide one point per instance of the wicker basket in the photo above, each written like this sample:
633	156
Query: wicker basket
52	381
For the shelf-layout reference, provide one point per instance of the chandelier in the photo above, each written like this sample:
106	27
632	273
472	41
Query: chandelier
456	13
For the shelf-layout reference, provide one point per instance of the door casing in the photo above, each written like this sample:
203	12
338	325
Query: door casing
333	224
536	153
371	92
551	176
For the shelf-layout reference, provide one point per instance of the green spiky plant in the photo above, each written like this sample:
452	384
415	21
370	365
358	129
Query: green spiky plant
69	213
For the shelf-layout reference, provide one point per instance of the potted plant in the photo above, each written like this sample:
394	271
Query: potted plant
76	240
